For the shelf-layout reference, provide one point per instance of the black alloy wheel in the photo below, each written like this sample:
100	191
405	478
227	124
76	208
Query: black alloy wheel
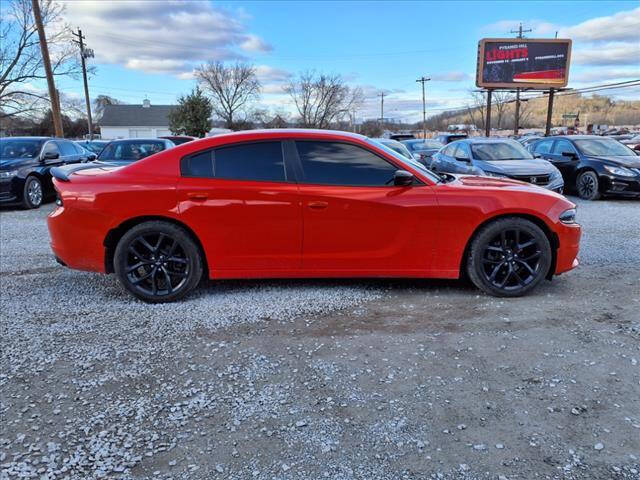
158	262
588	185
32	194
509	257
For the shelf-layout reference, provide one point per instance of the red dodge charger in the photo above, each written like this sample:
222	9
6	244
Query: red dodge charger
304	203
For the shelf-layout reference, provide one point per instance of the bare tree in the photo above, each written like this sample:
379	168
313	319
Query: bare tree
501	100
20	57
476	108
321	99
101	101
233	89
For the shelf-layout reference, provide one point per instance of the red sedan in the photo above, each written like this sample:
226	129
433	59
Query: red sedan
304	203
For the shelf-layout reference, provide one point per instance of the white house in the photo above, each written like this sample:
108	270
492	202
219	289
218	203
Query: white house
135	121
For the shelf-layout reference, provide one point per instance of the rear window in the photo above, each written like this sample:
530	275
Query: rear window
130	150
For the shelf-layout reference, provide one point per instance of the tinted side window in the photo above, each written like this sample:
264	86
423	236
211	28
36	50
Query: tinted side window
332	163
252	161
197	165
66	148
563	146
543	147
462	151
449	151
51	147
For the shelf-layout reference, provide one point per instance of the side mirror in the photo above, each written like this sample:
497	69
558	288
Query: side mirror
50	155
569	154
91	157
402	178
537	155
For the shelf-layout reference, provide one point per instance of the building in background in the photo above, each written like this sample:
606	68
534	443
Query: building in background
135	121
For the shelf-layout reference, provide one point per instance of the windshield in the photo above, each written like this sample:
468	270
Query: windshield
130	150
405	160
603	146
398	147
19	148
500	151
95	147
425	145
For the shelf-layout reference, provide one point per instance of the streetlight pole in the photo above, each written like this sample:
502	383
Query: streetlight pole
423	80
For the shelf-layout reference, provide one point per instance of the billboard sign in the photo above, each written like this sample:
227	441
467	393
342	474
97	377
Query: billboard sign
523	63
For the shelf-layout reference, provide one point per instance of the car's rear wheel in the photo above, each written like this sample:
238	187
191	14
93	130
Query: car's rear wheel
158	262
32	194
588	186
509	257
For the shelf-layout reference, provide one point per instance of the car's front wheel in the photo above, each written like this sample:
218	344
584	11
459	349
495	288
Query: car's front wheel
588	185
509	257
158	262
32	194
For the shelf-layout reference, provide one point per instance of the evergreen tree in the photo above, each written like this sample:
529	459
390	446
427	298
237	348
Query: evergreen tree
192	115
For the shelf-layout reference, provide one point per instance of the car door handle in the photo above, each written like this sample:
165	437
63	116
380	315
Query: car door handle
197	196
318	205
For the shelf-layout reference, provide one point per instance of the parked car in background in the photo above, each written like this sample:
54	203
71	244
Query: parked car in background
423	150
396	146
94	146
122	152
633	143
497	158
180	139
592	166
447	138
25	164
401	136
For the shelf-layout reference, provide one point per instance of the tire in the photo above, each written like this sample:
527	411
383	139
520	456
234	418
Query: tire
32	193
588	185
509	257
158	262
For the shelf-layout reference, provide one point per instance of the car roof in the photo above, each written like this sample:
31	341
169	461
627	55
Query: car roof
31	138
297	132
484	140
139	140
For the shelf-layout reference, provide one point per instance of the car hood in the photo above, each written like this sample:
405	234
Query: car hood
474	181
630	161
517	167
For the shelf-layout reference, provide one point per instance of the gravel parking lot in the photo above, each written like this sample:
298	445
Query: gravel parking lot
322	379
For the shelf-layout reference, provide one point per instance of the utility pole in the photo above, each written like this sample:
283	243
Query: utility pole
516	123
381	95
55	105
423	80
84	54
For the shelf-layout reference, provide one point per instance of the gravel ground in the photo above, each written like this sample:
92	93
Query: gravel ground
318	379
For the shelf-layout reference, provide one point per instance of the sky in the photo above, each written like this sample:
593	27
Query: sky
147	49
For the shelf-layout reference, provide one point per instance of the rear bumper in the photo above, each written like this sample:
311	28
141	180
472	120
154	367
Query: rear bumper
75	239
568	248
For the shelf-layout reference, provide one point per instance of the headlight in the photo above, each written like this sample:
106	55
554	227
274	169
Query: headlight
555	174
8	173
568	216
623	172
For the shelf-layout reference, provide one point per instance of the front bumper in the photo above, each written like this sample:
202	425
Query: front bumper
568	247
10	191
619	185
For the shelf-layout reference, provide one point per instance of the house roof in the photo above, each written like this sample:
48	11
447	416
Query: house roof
136	115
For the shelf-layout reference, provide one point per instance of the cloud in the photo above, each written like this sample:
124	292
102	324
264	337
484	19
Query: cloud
608	40
622	26
450	77
607	54
169	37
600	74
253	43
